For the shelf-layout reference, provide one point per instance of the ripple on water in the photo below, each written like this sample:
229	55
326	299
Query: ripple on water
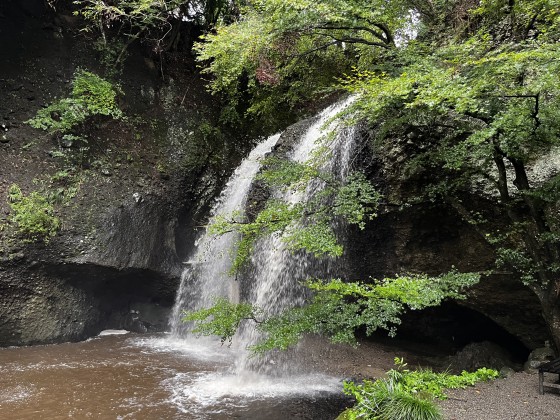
16	394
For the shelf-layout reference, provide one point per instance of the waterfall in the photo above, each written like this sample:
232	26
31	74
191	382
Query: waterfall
273	282
206	275
277	272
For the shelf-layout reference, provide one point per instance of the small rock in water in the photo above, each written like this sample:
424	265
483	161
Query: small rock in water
137	197
112	332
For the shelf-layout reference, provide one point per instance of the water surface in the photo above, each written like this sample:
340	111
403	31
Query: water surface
152	377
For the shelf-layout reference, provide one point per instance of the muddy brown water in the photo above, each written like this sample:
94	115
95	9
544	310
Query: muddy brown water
152	377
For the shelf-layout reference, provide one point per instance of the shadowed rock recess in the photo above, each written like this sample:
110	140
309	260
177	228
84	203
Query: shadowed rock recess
147	183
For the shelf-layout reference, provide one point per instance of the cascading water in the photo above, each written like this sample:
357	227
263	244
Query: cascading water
277	272
207	274
272	283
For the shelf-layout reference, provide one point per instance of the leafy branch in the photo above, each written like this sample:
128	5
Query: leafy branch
303	226
335	310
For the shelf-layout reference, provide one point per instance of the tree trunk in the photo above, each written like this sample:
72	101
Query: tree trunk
551	314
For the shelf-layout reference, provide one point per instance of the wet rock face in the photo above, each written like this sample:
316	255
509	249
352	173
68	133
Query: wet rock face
426	238
116	261
39	309
46	300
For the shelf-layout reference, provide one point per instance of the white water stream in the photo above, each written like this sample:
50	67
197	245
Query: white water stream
207	273
275	282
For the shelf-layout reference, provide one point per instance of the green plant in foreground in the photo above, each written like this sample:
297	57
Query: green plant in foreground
407	394
33	215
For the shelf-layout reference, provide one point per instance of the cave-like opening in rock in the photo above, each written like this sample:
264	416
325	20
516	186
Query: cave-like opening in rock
449	331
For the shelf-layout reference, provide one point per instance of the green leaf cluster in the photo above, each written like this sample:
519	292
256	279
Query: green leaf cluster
276	217
408	394
91	96
226	318
357	200
485	112
282	53
303	226
33	215
336	309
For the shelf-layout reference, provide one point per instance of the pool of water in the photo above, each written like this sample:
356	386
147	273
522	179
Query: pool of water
127	376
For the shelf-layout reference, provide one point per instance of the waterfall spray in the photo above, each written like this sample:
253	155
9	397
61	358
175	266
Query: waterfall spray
275	273
206	275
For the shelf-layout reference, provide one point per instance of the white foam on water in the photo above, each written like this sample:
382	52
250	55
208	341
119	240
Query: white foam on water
202	349
216	392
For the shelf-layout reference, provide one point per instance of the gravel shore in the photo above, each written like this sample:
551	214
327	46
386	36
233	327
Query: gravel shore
515	397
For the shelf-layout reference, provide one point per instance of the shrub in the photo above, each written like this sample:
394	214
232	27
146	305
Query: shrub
33	214
406	394
91	95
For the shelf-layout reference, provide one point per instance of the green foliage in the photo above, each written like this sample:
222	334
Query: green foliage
316	238
408	395
356	201
225	317
121	22
521	17
33	215
303	226
91	95
286	174
276	217
282	53
336	309
486	108
435	383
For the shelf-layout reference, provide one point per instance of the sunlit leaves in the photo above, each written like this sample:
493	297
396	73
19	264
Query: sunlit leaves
283	53
287	174
406	394
337	309
317	239
33	215
276	217
91	95
356	201
225	318
509	95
